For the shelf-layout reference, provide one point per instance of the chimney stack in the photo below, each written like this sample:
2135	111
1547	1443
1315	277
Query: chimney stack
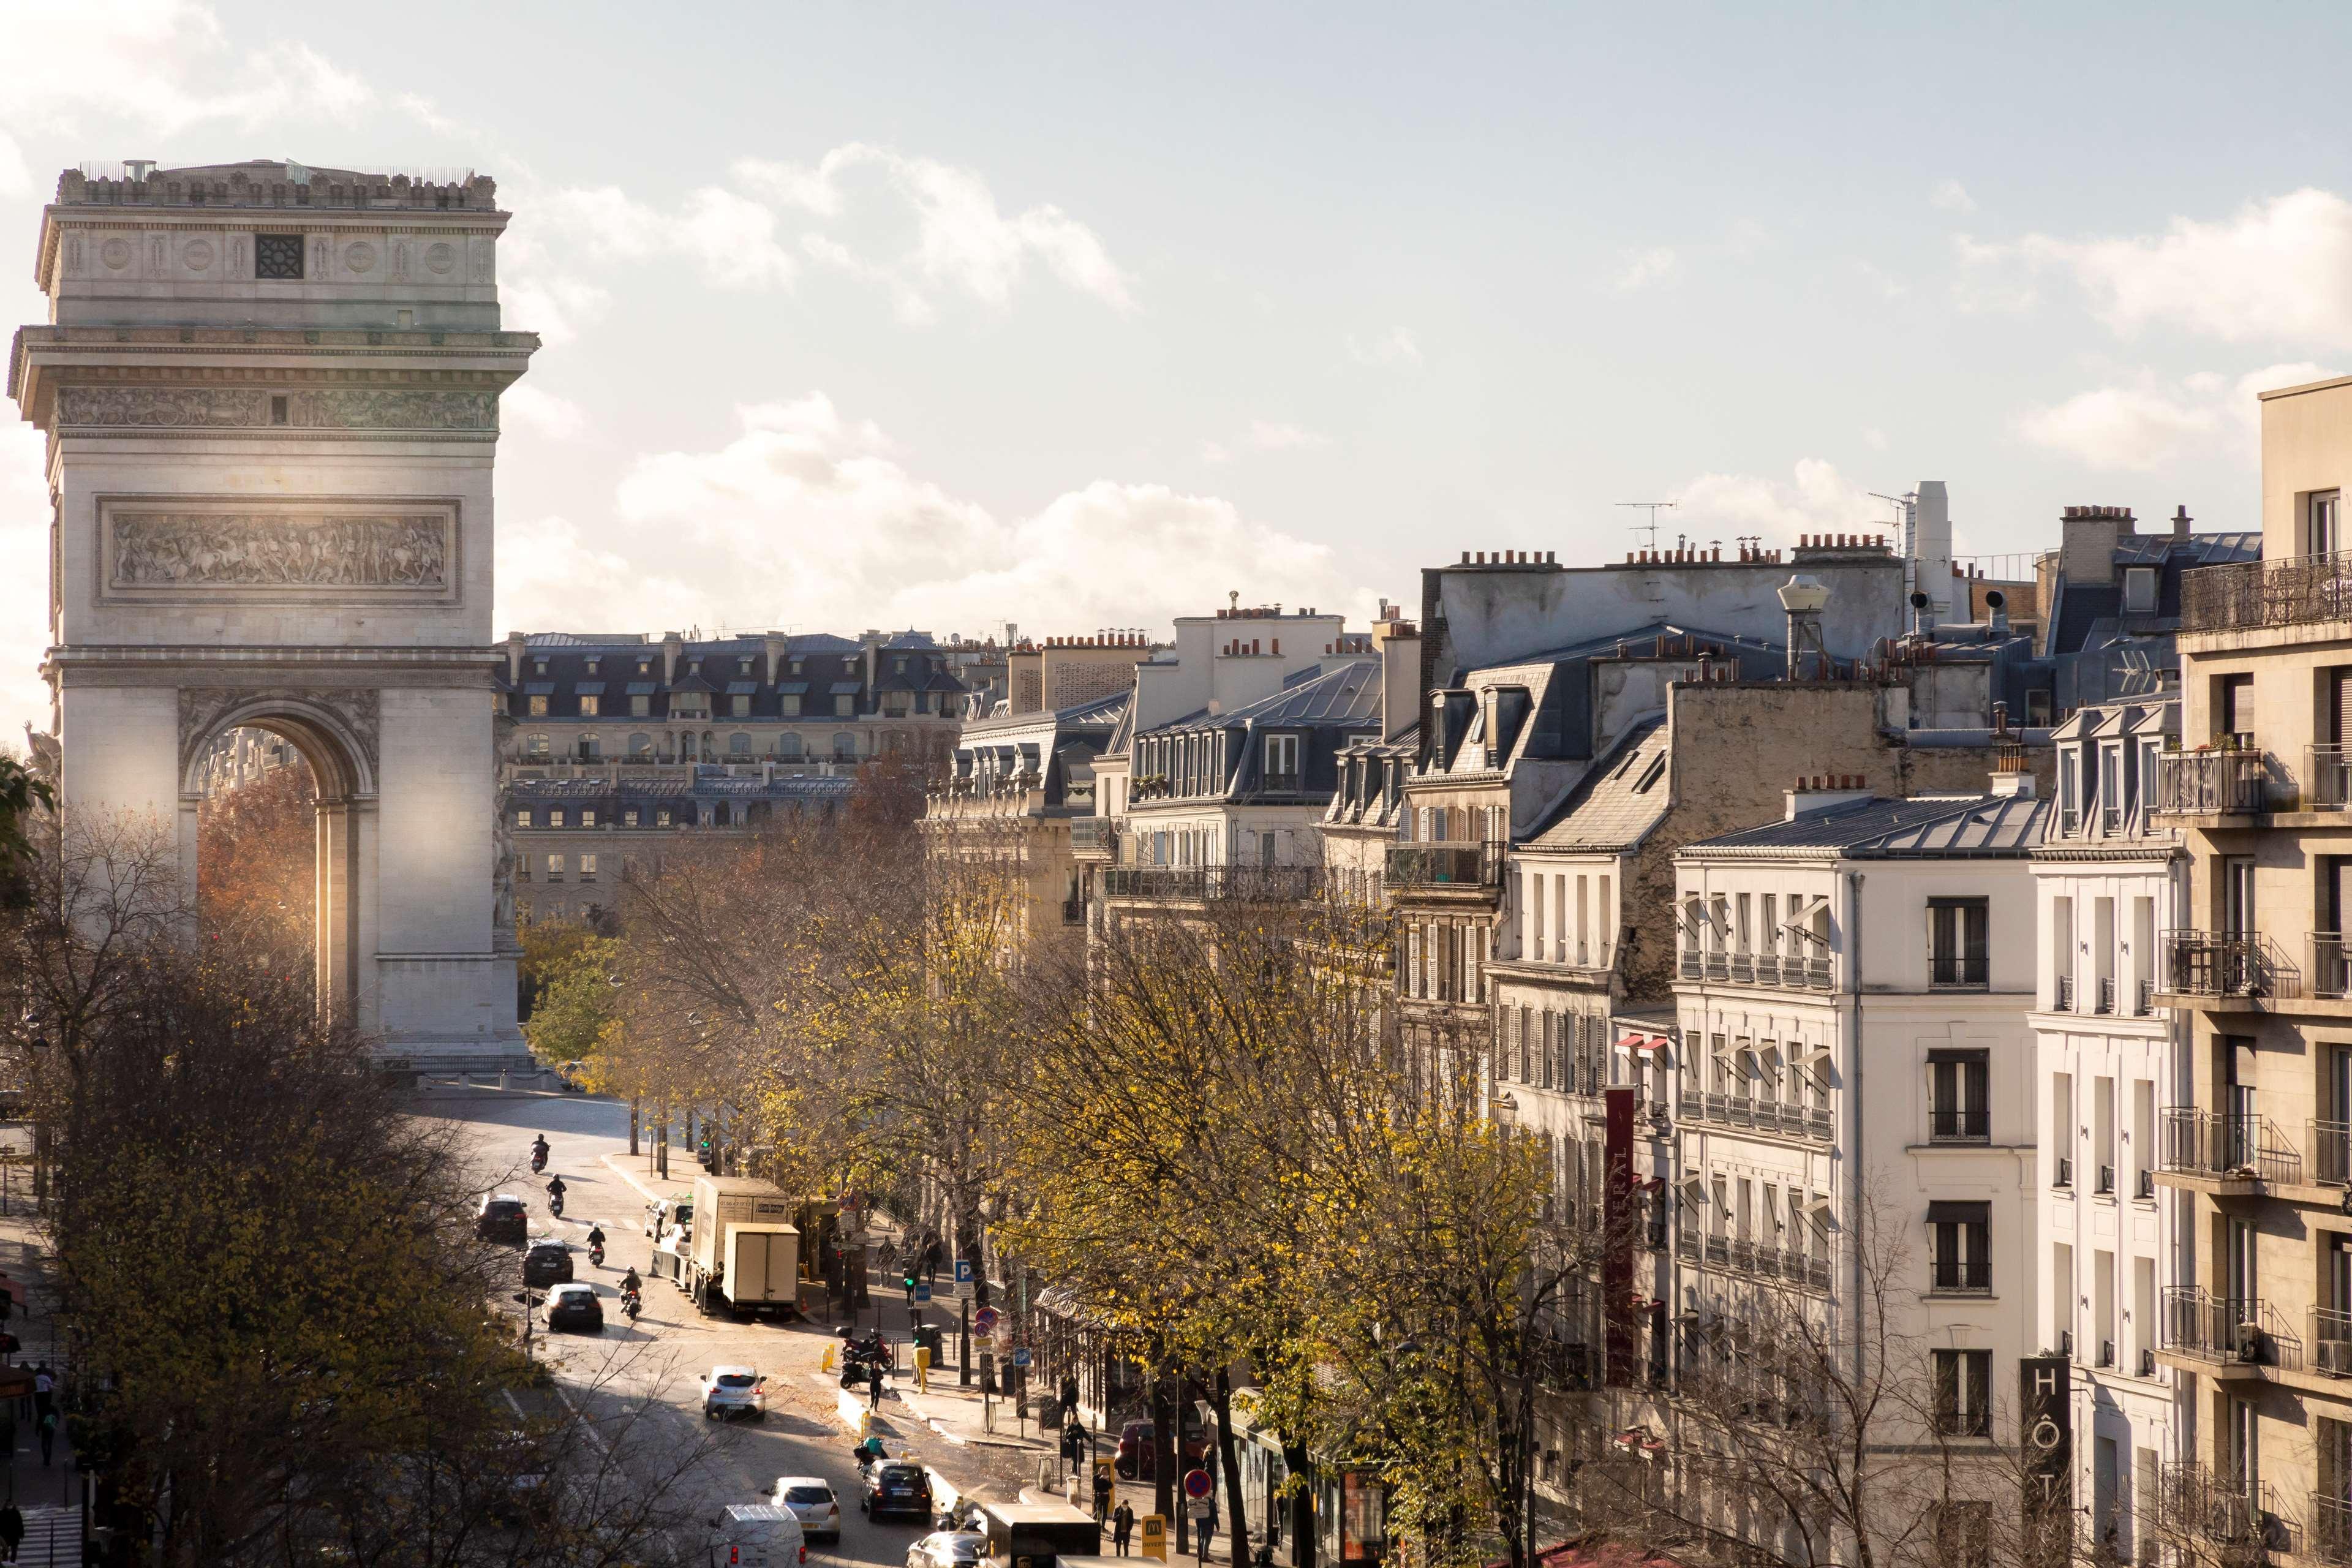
2181	521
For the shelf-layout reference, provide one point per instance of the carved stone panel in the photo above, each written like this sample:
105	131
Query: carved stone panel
202	709
279	550
239	407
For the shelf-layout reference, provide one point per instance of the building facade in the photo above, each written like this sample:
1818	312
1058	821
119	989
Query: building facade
2258	1320
2111	882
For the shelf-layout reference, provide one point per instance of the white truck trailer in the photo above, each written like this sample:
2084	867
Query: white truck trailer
743	1254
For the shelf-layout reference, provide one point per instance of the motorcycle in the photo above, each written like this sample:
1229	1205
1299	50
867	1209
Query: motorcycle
631	1304
596	1255
555	1204
537	1161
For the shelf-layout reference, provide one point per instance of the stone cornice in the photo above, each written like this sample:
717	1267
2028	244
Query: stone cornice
172	664
105	352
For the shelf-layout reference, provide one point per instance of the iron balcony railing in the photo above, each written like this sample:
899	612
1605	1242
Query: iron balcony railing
2226	1145
2106	999
1093	836
2331	1152
2327	1525
2226	1516
2063	1001
2330	1335
2328	778
1962	1276
2144	998
1445	865
2299	590
2331	966
2211	783
1719	1249
1687	1244
1756	969
1966	1125
2229	963
2228	1329
1196	884
1759	1115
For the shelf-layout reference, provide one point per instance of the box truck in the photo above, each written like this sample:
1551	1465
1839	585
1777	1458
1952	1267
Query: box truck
743	1254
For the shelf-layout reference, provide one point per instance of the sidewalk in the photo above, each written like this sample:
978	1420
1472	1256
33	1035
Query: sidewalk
50	1495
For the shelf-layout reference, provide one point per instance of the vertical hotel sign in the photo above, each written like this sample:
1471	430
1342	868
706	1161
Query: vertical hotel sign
2046	1422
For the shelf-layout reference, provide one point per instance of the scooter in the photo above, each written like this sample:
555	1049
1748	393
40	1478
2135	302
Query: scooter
555	1204
631	1304
537	1161
596	1255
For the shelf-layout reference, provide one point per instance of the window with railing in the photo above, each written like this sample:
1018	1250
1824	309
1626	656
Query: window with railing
1958	1100
2296	590
1958	935
2226	1146
1964	1392
2229	963
1959	1246
2226	781
2330	975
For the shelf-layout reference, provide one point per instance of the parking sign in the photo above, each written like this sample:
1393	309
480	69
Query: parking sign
963	1271
1020	1356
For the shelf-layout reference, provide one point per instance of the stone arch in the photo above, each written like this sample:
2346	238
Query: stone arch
336	734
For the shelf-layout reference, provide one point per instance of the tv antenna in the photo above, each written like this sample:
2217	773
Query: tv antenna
1651	527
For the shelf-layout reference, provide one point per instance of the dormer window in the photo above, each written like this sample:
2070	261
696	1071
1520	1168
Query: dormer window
539	666
2139	590
592	666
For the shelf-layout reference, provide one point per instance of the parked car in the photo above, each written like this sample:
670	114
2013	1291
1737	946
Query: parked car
548	1262
503	1217
1136	1459
948	1549
730	1392
894	1487
813	1502
574	1307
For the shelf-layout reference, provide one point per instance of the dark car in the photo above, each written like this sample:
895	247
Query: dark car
1136	1459
896	1489
547	1263
502	1218
574	1307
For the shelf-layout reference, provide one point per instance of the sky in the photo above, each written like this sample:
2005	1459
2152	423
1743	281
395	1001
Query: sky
1084	317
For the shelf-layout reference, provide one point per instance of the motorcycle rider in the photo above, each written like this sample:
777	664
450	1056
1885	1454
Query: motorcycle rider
539	1152
555	1193
630	1284
596	1242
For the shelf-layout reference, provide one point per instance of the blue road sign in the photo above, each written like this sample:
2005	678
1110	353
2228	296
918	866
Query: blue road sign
1020	1356
963	1271
923	1293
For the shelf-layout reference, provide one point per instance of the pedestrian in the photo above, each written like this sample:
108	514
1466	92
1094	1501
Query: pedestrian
1122	1525
1102	1493
12	1531
1073	1442
44	1389
931	1260
874	1385
1069	1392
48	1437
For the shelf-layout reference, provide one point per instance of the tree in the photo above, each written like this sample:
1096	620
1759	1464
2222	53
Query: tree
577	1016
257	864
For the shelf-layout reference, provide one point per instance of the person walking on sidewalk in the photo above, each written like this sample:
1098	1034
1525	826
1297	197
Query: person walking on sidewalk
1122	1525
874	1385
48	1437
1102	1493
45	1389
12	1532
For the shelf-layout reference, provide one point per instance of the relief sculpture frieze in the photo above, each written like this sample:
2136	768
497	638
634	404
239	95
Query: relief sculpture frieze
275	549
246	407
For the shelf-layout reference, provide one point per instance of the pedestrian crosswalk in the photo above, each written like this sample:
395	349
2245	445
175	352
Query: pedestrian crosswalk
52	1539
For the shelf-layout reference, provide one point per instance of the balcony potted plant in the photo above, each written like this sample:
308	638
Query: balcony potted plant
2250	1342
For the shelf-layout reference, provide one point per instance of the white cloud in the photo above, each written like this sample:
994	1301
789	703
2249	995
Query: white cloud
551	578
1747	238
963	243
2278	271
1265	436
811	519
528	409
2145	425
1643	268
1815	498
1395	347
1951	196
166	65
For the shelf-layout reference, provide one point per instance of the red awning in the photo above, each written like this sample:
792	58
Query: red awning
1647	1042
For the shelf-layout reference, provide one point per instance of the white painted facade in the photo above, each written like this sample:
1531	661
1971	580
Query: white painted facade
1821	1062
2107	888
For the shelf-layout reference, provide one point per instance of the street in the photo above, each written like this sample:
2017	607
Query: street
672	1344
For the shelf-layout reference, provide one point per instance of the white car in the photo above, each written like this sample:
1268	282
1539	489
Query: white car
948	1549
730	1392
813	1502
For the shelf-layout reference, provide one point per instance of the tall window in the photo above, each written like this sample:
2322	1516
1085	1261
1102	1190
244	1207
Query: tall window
1964	1394
1957	1109
537	707
1281	757
1957	939
1959	1241
2323	532
589	706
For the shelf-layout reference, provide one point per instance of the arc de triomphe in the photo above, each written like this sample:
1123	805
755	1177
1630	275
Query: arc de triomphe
271	395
